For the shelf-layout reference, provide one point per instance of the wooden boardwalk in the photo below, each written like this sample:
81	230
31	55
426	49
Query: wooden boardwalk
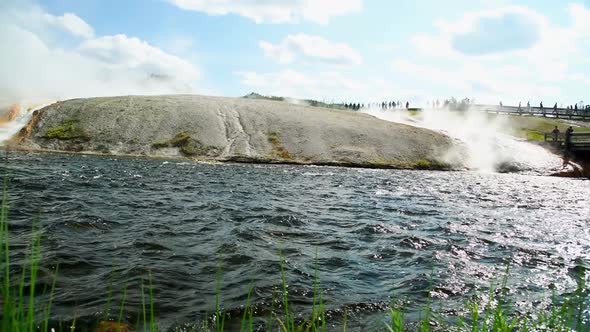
580	141
558	113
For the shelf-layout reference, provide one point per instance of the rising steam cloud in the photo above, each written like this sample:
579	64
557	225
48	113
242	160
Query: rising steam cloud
489	147
46	57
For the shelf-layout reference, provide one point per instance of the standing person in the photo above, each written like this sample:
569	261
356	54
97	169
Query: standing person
528	106
575	111
568	138
555	133
407	104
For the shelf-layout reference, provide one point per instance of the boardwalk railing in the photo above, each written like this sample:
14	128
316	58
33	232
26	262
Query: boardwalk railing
563	113
581	113
579	141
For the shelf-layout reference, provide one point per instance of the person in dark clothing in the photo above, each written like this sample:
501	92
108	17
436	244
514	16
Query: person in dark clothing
568	138
555	133
407	104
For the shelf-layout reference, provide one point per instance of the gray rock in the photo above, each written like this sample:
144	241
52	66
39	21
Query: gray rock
233	129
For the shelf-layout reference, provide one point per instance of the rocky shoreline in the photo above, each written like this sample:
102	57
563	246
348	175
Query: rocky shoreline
233	130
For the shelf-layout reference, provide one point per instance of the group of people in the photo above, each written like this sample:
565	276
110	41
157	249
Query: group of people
528	106
353	106
383	105
453	104
567	137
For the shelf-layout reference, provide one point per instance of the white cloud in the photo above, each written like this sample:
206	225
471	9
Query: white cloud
120	51
71	23
480	81
581	17
283	11
37	68
541	68
510	31
485	33
311	48
28	14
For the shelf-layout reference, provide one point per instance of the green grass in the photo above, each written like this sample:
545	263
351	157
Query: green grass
18	310
22	312
531	135
69	130
534	128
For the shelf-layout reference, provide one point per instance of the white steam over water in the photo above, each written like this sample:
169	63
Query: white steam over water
489	149
9	129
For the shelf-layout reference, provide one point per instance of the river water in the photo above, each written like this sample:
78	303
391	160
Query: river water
375	233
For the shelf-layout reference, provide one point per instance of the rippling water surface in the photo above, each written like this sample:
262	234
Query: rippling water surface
375	233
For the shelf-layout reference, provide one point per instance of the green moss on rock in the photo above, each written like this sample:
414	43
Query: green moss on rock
278	149
178	141
422	164
69	130
428	164
188	146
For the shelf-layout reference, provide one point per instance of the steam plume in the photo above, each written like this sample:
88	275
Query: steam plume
489	148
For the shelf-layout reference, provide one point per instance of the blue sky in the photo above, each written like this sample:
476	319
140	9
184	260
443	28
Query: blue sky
341	50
